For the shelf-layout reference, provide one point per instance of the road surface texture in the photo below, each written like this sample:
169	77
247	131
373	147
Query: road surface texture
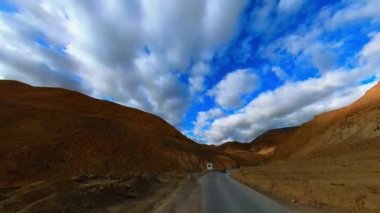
222	194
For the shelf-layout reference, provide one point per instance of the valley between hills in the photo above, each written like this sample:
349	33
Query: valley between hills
63	151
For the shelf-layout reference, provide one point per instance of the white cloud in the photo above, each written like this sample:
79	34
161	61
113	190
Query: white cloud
371	51
336	100
204	118
298	42
307	46
229	91
220	20
356	10
197	77
280	73
307	43
268	16
260	17
289	5
296	102
322	57
299	101
98	47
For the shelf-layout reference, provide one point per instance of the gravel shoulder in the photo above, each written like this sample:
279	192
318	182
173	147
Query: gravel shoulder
338	183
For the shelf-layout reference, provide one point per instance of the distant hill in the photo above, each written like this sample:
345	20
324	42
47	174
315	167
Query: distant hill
260	149
337	130
51	132
340	131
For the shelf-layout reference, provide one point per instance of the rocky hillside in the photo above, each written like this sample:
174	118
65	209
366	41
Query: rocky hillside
50	132
330	162
335	130
329	133
260	149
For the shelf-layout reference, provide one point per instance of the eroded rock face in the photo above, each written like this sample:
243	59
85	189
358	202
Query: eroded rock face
52	133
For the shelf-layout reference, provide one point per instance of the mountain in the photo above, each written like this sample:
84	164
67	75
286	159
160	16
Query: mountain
267	143
232	146
260	149
331	161
337	131
51	133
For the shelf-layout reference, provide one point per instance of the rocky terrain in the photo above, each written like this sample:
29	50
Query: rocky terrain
90	193
51	133
332	161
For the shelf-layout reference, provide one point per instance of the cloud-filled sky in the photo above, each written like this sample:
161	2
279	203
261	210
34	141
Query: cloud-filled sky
218	69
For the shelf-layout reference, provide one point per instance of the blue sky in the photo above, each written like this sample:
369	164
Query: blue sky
218	70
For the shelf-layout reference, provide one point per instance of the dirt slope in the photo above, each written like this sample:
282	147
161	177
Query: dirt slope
49	132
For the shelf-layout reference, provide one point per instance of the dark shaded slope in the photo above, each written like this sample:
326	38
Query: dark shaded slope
49	132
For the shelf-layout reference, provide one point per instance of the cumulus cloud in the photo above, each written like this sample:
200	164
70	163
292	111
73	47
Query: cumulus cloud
260	17
336	100
289	5
280	73
311	43
356	10
296	102
204	118
132	52
23	58
307	46
323	60
371	51
269	15
197	77
230	90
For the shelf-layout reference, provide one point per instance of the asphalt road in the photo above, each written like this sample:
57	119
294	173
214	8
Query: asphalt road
222	194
